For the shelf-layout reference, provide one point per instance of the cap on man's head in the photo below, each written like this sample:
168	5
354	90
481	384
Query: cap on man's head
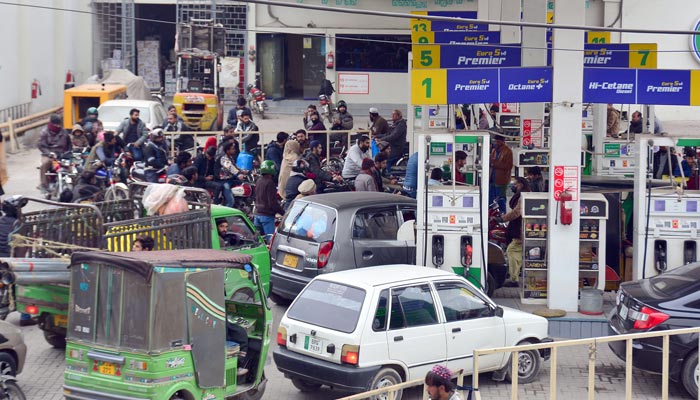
373	110
307	187
55	119
314	143
383	145
499	138
77	127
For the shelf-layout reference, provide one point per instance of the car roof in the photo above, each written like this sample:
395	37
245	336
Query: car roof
128	102
385	274
342	200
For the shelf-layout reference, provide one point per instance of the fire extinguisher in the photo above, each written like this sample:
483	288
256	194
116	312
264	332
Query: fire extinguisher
70	81
565	211
330	60
36	89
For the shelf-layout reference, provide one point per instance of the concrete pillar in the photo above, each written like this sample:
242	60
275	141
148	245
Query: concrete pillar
563	271
494	7
600	128
510	11
535	40
612	16
251	40
483	11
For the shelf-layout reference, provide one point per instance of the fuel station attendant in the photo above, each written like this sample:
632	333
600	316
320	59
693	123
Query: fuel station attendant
514	231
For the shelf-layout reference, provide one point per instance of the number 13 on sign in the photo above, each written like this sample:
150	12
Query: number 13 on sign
429	86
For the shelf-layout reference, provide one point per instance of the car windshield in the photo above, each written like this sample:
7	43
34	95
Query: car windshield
236	234
309	221
117	113
678	281
328	305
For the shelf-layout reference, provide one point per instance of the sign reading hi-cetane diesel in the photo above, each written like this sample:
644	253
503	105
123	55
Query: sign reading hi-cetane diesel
534	85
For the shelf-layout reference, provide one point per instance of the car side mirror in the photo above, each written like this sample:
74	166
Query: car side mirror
498	312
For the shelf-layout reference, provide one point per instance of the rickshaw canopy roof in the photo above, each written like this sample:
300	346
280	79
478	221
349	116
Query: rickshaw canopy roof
144	262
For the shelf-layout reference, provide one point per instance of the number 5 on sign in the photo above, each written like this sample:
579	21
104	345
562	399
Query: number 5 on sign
426	56
429	86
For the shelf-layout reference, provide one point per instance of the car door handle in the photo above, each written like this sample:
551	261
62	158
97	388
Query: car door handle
455	330
366	255
398	338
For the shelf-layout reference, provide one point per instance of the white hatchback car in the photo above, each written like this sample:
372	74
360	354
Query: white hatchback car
113	112
366	328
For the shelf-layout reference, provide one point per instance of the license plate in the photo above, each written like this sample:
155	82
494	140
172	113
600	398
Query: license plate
290	260
623	311
60	320
107	369
313	344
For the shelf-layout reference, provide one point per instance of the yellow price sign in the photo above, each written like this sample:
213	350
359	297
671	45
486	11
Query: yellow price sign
429	86
695	87
426	56
643	55
598	37
550	17
421	25
422	37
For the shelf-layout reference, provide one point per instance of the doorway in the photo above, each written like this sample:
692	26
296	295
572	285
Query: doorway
291	66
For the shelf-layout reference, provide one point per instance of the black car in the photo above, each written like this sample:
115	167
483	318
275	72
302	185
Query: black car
667	301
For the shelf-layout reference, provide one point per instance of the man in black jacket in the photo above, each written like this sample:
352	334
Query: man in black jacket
313	157
207	172
396	138
155	152
267	206
275	148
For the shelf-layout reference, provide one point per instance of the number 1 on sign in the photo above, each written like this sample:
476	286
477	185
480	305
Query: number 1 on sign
428	86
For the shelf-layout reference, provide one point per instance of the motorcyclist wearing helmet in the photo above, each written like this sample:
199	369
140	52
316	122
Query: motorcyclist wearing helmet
155	153
342	121
91	125
53	139
267	205
296	177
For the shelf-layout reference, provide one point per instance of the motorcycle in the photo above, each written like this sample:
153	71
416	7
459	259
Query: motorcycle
256	98
61	175
326	108
137	173
108	178
244	196
497	230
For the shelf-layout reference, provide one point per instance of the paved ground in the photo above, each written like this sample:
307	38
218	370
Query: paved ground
43	374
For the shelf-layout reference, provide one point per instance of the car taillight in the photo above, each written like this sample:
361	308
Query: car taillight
272	240
647	318
350	354
33	310
282	336
324	253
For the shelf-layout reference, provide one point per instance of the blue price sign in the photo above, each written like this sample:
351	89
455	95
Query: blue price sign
525	85
606	55
418	24
478	37
669	87
464	56
472	85
609	85
438	26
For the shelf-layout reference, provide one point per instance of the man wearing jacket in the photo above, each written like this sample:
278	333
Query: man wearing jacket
353	161
207	171
134	133
396	138
155	153
267	206
275	148
313	157
52	139
501	167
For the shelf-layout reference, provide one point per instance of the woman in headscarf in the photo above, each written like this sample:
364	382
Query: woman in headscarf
291	153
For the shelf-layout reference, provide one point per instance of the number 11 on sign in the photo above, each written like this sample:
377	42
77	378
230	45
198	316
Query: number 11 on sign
429	86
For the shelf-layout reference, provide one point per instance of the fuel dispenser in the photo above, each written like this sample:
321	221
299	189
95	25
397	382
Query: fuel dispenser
666	217
452	225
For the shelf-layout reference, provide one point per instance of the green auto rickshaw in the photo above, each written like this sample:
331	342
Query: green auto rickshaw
166	325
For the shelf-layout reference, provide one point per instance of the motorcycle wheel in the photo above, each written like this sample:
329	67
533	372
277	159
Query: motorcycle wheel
114	193
12	391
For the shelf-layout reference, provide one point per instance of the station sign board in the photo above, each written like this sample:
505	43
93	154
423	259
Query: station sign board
426	25
534	85
622	55
456	37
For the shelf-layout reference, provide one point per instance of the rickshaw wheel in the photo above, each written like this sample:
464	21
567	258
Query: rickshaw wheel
54	339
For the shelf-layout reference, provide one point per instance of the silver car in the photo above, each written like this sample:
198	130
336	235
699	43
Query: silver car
12	349
338	231
113	112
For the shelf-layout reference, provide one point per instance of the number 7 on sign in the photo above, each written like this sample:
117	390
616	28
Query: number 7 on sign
429	86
